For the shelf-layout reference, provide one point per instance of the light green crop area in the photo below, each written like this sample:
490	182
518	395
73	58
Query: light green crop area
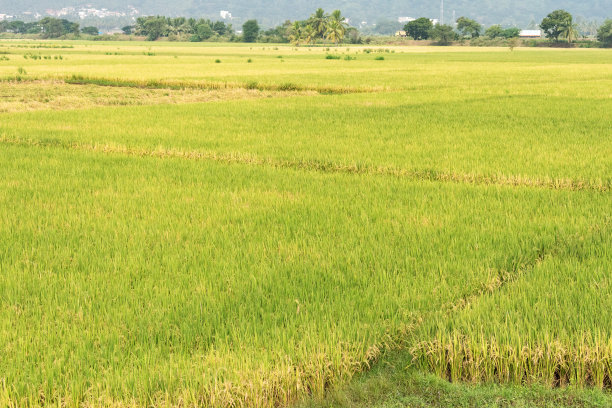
258	232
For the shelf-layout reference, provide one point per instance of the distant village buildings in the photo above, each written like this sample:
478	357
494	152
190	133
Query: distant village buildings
80	12
405	19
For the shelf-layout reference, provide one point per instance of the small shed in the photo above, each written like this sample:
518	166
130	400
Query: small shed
530	34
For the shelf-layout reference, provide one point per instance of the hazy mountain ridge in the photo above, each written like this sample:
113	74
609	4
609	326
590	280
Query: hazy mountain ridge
269	12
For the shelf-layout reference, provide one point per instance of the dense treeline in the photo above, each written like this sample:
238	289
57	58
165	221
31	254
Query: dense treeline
557	26
181	28
506	12
46	28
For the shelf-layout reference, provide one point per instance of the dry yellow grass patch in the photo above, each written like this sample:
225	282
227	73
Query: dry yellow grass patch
57	95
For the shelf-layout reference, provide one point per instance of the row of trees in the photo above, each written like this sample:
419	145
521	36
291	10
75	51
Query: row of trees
557	25
423	29
48	27
320	26
155	27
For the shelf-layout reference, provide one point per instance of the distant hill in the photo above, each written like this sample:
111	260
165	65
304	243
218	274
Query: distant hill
270	12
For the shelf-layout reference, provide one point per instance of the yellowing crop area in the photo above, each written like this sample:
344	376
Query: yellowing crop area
189	225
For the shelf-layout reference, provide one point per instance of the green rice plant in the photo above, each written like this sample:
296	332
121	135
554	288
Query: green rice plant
193	317
553	329
450	204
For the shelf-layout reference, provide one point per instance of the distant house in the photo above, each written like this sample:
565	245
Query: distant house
530	34
401	34
113	31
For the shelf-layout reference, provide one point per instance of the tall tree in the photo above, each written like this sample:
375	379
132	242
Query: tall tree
443	33
335	27
335	31
570	32
604	33
309	34
556	23
295	35
468	27
495	31
419	29
318	21
250	31
152	27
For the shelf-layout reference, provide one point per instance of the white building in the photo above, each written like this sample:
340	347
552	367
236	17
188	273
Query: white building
405	19
530	34
226	15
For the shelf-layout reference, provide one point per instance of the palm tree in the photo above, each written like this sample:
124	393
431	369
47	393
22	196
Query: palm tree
296	33
318	21
570	31
336	27
335	31
337	15
309	34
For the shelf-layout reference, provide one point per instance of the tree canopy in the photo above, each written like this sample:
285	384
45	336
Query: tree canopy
468	27
443	34
250	31
90	30
55	28
496	31
556	24
604	33
419	29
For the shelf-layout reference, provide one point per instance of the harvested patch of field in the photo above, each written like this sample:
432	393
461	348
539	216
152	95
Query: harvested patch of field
57	95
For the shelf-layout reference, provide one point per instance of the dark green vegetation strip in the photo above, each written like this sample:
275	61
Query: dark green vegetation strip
156	84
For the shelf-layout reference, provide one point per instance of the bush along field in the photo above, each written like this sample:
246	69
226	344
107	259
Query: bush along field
262	231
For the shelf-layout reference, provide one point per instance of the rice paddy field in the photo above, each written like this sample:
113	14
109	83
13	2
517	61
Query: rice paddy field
255	225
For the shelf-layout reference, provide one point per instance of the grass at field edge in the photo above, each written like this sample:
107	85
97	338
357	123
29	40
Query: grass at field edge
390	384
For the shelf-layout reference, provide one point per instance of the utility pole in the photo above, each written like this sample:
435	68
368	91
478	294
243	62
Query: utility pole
441	12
